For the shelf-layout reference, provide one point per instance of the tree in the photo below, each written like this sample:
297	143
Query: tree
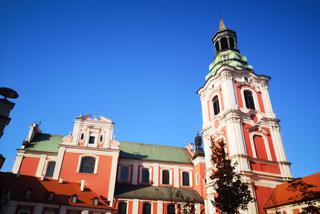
232	195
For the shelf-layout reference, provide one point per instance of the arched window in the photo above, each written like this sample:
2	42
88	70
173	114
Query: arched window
171	209
185	179
216	107
217	46
165	177
249	99
50	168
122	209
145	176
231	42
101	138
260	147
224	43
82	136
146	208
87	165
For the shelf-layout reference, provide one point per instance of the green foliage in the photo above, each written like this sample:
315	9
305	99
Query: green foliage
233	195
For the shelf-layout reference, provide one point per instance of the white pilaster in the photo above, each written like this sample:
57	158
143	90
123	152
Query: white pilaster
279	150
17	163
57	168
135	206
159	207
252	206
135	172
228	91
176	181
113	173
155	174
197	208
266	99
41	165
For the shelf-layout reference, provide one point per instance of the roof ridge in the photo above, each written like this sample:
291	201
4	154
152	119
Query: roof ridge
60	135
151	144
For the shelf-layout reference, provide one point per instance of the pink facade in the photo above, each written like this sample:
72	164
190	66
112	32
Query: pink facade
135	178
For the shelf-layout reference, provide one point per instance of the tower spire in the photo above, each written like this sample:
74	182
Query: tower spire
221	25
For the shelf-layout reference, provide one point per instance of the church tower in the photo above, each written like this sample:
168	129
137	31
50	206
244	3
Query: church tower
236	108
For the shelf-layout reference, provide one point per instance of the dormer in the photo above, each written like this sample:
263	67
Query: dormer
92	132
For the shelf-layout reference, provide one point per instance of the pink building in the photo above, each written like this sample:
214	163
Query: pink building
132	178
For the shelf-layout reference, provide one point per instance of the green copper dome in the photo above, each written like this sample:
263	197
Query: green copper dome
231	58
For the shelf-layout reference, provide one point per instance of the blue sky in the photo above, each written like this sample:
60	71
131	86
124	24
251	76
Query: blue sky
141	62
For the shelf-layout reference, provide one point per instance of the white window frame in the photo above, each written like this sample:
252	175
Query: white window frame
255	99
96	163
196	178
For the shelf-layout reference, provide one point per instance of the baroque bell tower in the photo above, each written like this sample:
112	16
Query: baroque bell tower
236	108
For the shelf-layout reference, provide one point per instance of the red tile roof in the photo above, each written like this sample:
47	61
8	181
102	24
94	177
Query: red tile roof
41	188
285	193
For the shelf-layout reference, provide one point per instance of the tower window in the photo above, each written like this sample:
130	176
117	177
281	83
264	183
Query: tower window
87	165
249	99
185	179
217	46
82	136
224	43
124	174
260	147
101	138
231	43
145	176
50	168
146	208
91	139
122	209
216	108
165	177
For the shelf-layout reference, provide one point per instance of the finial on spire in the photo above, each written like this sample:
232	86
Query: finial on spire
221	25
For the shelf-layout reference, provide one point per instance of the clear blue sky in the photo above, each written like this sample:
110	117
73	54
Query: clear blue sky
141	62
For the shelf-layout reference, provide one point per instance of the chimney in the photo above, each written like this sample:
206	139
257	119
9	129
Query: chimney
33	131
82	185
60	180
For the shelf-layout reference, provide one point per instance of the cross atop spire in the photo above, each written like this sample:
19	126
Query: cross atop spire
221	25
